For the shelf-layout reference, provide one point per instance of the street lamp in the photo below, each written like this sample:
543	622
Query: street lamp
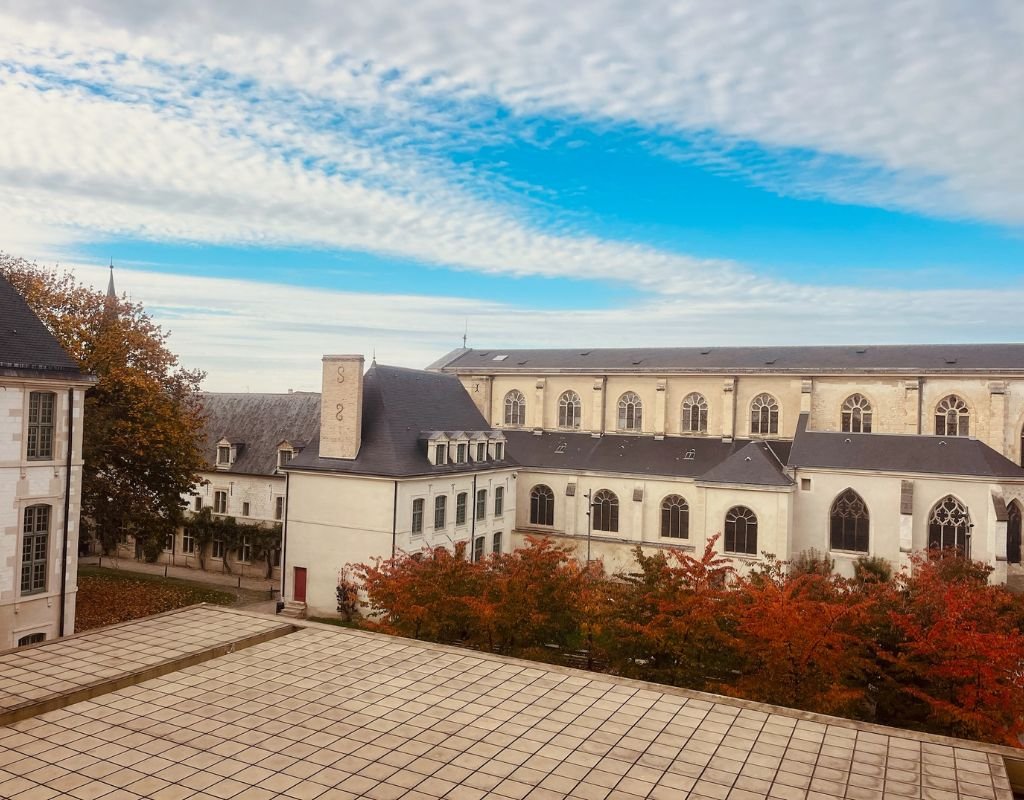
590	520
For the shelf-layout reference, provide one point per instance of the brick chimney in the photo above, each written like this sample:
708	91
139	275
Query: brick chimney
341	407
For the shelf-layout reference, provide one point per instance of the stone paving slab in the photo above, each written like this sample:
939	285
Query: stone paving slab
336	714
32	678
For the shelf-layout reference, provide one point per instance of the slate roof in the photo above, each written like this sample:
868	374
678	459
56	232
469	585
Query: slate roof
399	405
27	348
804	360
643	455
932	455
260	422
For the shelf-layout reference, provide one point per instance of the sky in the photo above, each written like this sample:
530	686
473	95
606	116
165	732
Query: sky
276	181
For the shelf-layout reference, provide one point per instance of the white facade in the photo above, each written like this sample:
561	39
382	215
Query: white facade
34	575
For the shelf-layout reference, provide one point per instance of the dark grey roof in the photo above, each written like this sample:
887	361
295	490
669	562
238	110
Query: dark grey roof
27	348
398	406
753	465
260	422
644	455
932	455
923	358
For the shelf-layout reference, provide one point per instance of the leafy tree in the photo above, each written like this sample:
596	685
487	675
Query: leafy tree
143	423
265	541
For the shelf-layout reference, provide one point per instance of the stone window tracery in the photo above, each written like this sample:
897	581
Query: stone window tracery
952	417
631	412
764	415
515	408
695	413
856	414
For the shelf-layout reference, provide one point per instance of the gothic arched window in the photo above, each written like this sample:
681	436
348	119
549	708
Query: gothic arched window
952	417
606	511
856	414
569	410
542	505
950	526
764	415
741	531
1013	532
675	517
631	412
695	413
515	408
849	522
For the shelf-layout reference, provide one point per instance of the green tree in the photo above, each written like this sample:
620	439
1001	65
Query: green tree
143	423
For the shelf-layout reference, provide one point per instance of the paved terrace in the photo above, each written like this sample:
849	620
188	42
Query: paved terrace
331	713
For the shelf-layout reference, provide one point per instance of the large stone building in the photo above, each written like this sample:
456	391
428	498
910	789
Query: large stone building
42	403
851	451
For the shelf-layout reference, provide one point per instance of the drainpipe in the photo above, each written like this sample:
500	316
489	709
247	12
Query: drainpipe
472	525
284	538
67	510
394	523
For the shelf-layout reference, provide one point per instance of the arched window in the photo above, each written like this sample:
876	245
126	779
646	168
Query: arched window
606	511
515	408
848	523
695	413
952	417
675	517
631	412
1013	533
950	526
856	414
542	505
741	531
569	410
764	415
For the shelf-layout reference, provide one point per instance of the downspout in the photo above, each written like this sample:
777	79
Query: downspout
284	537
472	525
394	523
920	405
67	510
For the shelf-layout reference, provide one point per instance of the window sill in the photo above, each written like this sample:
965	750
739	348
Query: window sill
850	553
742	556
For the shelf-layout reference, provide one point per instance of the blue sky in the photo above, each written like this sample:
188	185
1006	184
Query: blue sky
277	185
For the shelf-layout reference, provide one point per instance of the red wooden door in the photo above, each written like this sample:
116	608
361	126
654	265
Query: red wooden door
300	585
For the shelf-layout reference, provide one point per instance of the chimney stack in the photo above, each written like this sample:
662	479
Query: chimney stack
341	407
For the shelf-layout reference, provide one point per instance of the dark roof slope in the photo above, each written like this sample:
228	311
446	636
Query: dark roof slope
260	422
753	465
398	406
677	457
27	348
927	358
932	455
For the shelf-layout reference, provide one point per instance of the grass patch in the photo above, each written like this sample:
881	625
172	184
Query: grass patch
106	596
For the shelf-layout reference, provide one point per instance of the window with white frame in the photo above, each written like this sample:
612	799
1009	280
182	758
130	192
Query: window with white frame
542	505
461	453
440	511
188	542
417	515
496	544
478	549
675	517
849	522
515	409
198	504
569	410
949	526
218	548
223	456
460	508
741	531
499	500
606	511
856	414
695	413
952	417
481	451
440	454
35	548
764	415
246	551
284	455
499	451
631	412
220	502
39	437
279	507
245	509
481	504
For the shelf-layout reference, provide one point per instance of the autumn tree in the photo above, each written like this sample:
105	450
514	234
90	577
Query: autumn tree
143	423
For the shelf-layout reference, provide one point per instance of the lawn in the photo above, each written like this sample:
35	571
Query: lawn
106	596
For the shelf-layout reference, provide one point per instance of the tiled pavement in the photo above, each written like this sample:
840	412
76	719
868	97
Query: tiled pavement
329	713
32	676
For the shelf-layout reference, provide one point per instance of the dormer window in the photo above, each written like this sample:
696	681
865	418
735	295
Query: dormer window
481	451
224	456
440	454
461	451
499	451
284	455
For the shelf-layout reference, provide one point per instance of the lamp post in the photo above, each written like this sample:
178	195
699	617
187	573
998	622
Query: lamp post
590	520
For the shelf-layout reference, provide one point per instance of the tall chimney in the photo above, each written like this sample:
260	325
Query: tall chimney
341	407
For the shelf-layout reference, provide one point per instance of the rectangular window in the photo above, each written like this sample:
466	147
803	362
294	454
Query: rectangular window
417	515
460	453
278	508
440	507
188	542
199	504
283	457
169	543
805	484
246	554
499	451
478	549
277	557
218	548
499	500
40	425
460	508
481	504
441	454
245	509
481	451
220	502
35	546
496	544
223	456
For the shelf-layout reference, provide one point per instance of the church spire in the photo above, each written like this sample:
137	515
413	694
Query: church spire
111	294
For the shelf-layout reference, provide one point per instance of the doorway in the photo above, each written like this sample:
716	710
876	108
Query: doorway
300	585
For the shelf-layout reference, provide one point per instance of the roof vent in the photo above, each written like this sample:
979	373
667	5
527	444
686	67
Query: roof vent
585	353
705	352
639	361
861	351
690	455
499	358
748	458
560	448
771	361
942	444
484	353
849	440
521	362
951	360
